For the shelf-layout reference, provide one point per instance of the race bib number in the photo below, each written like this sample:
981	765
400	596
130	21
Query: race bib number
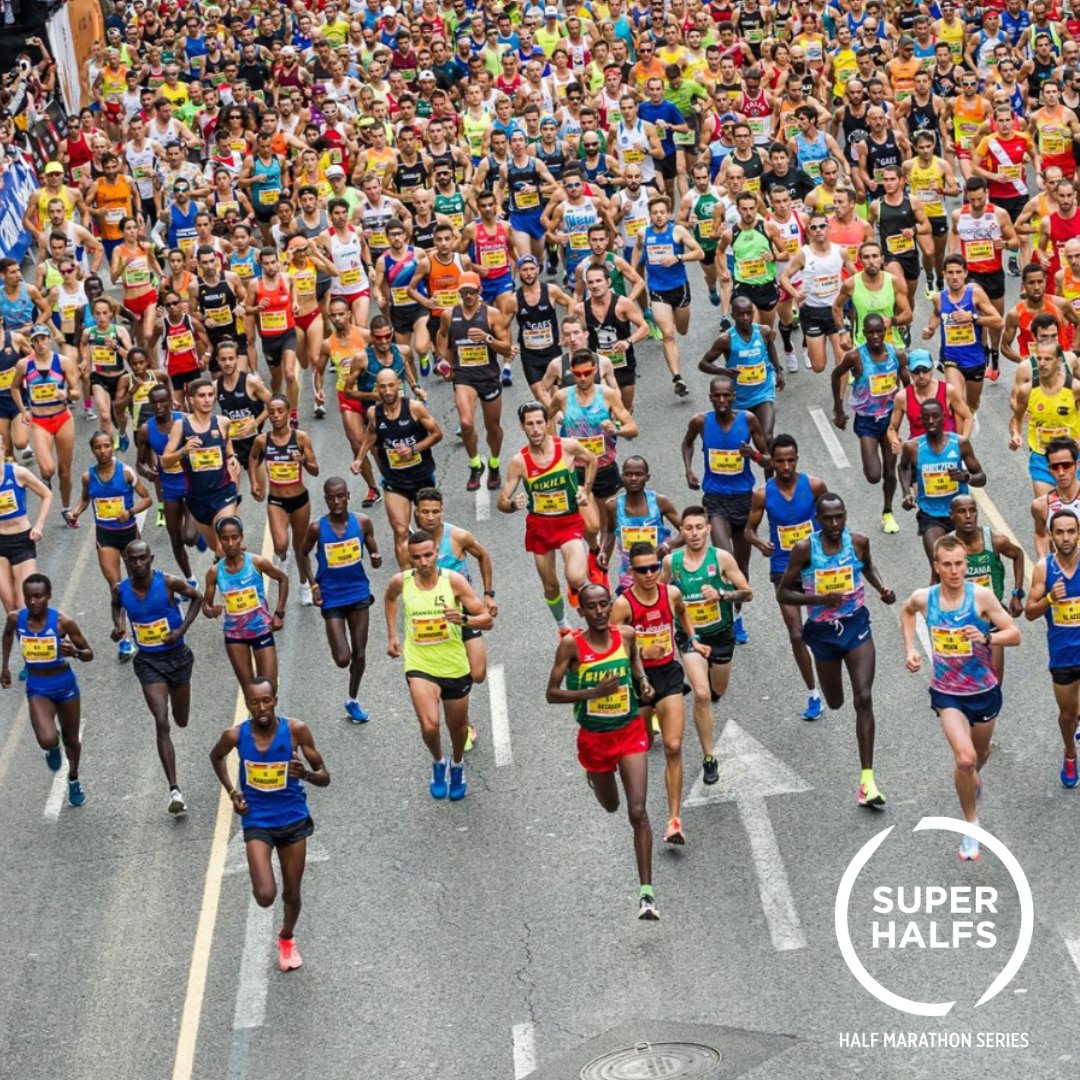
136	277
949	643
635	226
536	338
579	241
221	316
67	319
241	601
267	775
283	472
726	462
617	704
305	283
225	208
341	553
1066	612
379	239
703	612
900	244
206	460
114	216
44	393
151	633
102	357
654	644
683	138
840	579
242	269
402	457
108	509
981	579
38	650
1045	435
8	503
430	630
750	268
7	379
448	298
236	428
181	342
752	375
616	359
826	283
657	252
756	125
270	196
350	276
472	355
883	384
937	481
633	157
527	200
593	443
1012	172
495	258
960	334
400	297
705	229
978	250
790	535
812	169
272	320
550	503
637	534
186	244
1053	142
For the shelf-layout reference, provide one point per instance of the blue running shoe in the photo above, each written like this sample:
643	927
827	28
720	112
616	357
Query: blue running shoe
741	636
438	780
125	442
425	365
125	651
714	298
1068	773
458	787
200	542
24	674
354	712
52	757
76	795
813	708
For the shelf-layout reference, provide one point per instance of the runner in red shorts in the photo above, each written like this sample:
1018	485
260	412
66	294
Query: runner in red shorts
601	665
545	465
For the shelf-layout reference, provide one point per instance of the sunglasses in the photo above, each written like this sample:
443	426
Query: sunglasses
382	337
69	270
648	568
583	372
819	226
172	303
1061	466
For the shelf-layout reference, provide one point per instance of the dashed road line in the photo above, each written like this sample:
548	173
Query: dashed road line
828	437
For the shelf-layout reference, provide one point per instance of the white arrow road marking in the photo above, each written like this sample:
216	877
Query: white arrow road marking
236	856
828	437
749	773
923	635
524	1036
500	719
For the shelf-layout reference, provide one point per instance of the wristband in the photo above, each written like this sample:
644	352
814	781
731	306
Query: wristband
464	618
280	613
231	793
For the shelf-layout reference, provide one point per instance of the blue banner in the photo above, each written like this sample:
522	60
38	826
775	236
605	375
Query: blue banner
17	184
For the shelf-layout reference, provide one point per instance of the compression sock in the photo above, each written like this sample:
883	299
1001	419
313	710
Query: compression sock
785	336
647	890
557	609
493	463
475	462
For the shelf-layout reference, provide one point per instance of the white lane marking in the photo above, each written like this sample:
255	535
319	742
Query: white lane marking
828	437
776	900
59	787
524	1036
924	635
250	1009
140	520
500	717
483	503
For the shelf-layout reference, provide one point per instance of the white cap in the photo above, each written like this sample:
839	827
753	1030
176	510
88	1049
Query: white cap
334	170
551	12
426	75
389	10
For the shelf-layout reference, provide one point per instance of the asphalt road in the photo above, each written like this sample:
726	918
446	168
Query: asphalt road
497	937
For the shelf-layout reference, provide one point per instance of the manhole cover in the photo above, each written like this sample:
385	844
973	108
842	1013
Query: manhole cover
672	1061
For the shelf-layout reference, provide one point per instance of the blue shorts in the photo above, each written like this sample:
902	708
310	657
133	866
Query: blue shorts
110	246
751	399
58	688
977	708
528	223
8	409
872	427
204	508
492	287
834	639
1038	470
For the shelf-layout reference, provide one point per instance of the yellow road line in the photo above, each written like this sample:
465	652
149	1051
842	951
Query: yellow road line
999	524
184	1062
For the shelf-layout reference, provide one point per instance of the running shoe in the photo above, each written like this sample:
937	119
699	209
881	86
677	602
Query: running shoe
969	849
458	788
125	651
124	444
725	324
116	440
655	332
889	524
564	631
425	365
161	516
294	420
813	707
710	770
70	521
806	361
288	955
928	292
372	498
437	786
88	411
993	373
76	795
674	834
354	712
741	636
1068	772
597	575
791	358
507	376
1014	267
193	582
306	597
319	412
282	562
470	738
714	298
200	542
475	472
444	369
494	480
647	909
52	757
27	454
572	596
681	389
869	795
24	674
176	802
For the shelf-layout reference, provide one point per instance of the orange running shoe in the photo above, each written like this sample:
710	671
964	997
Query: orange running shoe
288	954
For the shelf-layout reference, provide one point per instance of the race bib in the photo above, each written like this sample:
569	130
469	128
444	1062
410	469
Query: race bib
937	481
236	428
826	283
108	509
241	601
224	208
683	138
221	316
400	297
8	503
242	269
753	184
579	241
44	393
114	216
151	633
900	244
883	384
633	157
430	630
981	579
1045	435
102	357
186	244
535	338
705	229
7	379
272	320
960	333
840	579
379	239
593	443
67	319
634	226
790	535
305	282
617	704
402	458
657	252
283	472
206	460
752	374
38	650
726	462
341	553
1053	142
447	298
495	258
136	277
1012	172
978	250
270	196
1066	612
637	534
527	200
472	355
551	503
654	644
703	612
750	268
350	276
949	643
181	342
267	775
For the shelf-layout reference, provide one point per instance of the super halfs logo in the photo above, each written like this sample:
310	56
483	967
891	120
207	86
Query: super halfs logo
960	916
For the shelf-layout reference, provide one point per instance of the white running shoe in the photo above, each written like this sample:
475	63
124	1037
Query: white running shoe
306	599
792	361
176	802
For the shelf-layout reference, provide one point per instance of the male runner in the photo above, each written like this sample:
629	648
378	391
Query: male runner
1061	457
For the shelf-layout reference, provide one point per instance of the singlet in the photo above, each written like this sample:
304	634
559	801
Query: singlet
977	236
40	648
873	391
395	447
237	406
962	666
447	559
243	596
604	332
47	389
1062	617
582	422
490	252
617	709
577	220
892	221
914	409
821	275
339	565
709	618
277	317
936	488
633	149
179	344
346	257
1052	416
217	308
282	469
551	490
17	313
790	520
474	363
399	274
12	495
727	472
926	183
275	800
153	616
881	155
756	382
985	567
9	357
538	327
104	355
265	190
967	119
810	155
659	243
523	184
110	498
182	231
68	305
433	644
961	342
173	480
635	212
654	625
206	469
442	284
837	573
365	382
749	248
632	528
870	302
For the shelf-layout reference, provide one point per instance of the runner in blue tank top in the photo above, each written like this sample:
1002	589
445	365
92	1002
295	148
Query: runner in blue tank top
878	372
749	349
1055	596
962	619
730	440
342	591
933	469
272	803
828	573
47	639
788	498
150	600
